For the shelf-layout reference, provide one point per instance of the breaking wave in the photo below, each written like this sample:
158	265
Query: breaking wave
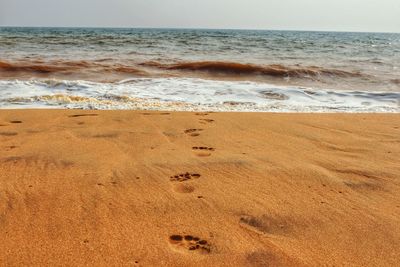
60	66
188	94
209	67
235	68
30	67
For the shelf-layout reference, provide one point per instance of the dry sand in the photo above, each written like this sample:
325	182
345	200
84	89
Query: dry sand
127	188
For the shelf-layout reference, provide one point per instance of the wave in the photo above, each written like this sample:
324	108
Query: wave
188	94
60	98
107	70
24	67
210	67
235	68
62	66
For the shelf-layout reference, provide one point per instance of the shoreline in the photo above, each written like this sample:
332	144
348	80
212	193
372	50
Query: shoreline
194	94
95	187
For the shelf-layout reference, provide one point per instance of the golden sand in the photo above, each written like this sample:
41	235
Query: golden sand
131	188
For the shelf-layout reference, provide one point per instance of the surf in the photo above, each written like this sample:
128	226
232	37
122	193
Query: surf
191	94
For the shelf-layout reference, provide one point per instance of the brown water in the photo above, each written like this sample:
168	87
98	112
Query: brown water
237	62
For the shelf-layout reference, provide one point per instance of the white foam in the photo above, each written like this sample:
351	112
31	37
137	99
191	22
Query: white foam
190	94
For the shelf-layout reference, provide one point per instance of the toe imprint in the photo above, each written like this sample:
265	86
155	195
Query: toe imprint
184	177
190	243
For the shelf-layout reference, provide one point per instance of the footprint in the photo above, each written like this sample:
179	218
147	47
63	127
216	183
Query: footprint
8	133
9	148
272	257
184	177
204	121
15	121
106	135
169	134
201	114
83	115
156	113
269	225
184	188
203	151
193	132
190	243
37	163
364	185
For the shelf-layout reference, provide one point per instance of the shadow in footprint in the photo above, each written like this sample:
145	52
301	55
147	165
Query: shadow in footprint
190	243
8	133
106	135
156	113
204	121
9	148
16	121
83	115
193	132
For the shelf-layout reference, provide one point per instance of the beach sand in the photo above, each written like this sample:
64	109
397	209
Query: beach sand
136	188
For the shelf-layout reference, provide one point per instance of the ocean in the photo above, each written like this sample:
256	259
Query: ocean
196	70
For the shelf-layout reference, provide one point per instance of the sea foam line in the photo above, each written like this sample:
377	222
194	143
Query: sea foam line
186	94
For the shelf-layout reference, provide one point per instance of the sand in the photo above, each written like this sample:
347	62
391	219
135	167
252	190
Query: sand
131	188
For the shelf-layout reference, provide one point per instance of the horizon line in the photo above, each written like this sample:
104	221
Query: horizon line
196	28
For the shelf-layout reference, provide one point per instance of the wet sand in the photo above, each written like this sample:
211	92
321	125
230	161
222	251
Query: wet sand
132	188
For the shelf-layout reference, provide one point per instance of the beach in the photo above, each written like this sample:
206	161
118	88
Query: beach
182	147
143	188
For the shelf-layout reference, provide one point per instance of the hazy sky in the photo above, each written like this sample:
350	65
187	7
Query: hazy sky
341	15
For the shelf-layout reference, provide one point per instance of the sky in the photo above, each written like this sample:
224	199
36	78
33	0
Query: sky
329	15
